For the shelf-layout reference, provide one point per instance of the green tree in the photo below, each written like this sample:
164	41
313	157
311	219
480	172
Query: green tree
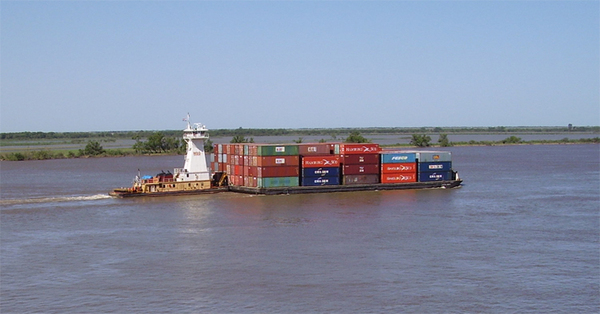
155	143
420	140
208	146
512	140
443	140
355	137
241	139
93	148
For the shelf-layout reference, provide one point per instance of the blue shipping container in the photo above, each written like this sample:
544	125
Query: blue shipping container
317	181
321	172
397	157
435	166
435	176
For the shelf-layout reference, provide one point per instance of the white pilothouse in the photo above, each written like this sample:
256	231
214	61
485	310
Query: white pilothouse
195	167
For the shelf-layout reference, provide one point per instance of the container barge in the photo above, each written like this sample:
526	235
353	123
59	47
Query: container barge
294	169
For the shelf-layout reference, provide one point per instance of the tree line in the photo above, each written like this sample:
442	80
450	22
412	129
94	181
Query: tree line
288	132
160	143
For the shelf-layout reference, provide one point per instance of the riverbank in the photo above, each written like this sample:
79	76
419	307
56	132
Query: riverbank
49	153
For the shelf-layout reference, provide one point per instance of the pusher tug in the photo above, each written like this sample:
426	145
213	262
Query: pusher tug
193	178
295	169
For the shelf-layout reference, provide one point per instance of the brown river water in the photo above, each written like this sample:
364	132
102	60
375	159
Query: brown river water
520	236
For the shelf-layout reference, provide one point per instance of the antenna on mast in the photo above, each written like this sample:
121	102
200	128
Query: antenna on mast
188	121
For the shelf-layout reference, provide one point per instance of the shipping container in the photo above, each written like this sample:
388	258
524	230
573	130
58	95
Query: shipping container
360	169
271	161
435	176
350	149
277	182
398	177
398	168
434	156
360	159
315	149
389	157
435	166
317	181
250	181
272	150
321	172
320	161
270	172
360	179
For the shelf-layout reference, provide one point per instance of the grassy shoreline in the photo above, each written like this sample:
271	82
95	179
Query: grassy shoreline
45	154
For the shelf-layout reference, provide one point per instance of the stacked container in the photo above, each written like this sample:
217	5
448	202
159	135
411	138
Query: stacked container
398	166
271	165
360	163
319	166
435	166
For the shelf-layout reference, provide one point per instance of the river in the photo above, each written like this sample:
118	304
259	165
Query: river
520	236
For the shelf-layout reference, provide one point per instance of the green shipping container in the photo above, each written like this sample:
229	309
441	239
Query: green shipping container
277	150
278	182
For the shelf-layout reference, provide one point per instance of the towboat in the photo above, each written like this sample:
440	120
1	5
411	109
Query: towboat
294	169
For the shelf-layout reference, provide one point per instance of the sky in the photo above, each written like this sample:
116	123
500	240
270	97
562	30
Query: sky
68	66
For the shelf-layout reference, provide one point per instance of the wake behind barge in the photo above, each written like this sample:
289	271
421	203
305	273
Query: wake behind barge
295	169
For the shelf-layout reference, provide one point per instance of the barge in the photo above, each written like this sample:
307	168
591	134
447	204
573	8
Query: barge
270	169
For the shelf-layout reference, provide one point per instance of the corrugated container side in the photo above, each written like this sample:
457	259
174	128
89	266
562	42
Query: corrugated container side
360	159
321	172
320	161
434	156
318	181
277	182
398	177
250	181
400	167
284	171
364	148
435	176
435	166
360	169
360	179
315	149
398	157
271	161
277	150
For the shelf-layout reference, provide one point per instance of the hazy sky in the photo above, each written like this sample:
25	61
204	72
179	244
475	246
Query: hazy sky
132	65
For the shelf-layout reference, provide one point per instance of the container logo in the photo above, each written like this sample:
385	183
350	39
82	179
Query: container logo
400	158
436	157
280	161
436	166
312	149
280	149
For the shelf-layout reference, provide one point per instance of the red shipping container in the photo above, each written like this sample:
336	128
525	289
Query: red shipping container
364	148
315	149
360	169
398	168
361	179
272	161
360	159
320	161
271	172
399	177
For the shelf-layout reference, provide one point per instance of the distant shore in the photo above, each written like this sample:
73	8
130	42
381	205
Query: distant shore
50	152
